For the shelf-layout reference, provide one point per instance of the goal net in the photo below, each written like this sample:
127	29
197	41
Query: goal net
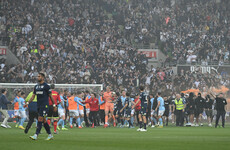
27	88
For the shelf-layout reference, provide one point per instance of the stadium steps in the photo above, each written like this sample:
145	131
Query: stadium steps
10	57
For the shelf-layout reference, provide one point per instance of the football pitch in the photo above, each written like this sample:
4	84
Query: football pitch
167	138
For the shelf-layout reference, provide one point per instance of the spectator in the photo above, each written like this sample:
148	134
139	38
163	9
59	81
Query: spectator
3	108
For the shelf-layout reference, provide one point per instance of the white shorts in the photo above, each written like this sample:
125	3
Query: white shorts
153	113
81	112
16	112
87	110
61	112
22	114
161	112
132	111
73	113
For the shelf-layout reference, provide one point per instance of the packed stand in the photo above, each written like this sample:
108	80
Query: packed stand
91	41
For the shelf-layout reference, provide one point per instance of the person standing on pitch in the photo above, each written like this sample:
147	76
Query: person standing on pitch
142	115
22	110
16	108
161	109
51	113
199	108
33	112
191	108
3	108
43	92
180	106
221	106
208	109
166	113
109	106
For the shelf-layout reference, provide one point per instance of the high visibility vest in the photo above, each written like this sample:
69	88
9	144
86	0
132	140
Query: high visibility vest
34	51
179	104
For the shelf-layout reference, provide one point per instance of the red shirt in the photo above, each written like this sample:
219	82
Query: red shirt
56	98
93	103
138	106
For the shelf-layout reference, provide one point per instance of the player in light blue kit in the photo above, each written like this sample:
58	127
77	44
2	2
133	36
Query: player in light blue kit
61	113
22	110
123	98
153	113
161	107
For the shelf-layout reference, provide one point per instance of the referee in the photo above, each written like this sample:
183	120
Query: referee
33	112
221	106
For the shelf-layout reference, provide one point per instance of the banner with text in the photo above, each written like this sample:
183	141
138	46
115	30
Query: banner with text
204	69
152	54
2	51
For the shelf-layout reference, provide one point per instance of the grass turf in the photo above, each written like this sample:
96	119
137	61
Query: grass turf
167	138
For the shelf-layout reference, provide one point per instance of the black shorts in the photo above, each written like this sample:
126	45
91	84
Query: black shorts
117	112
166	113
137	112
43	111
190	111
208	112
198	111
143	110
127	113
51	112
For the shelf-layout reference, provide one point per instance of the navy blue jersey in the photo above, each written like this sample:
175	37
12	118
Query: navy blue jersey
118	104
143	97
42	91
129	102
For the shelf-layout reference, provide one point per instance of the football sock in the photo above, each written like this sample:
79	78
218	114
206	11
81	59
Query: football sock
47	127
154	120
17	120
82	119
59	122
63	123
132	120
79	121
161	122
48	121
114	120
122	121
22	120
55	125
140	122
106	119
39	127
71	120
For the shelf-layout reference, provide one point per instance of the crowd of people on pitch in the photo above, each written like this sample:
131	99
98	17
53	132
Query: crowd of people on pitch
91	41
122	109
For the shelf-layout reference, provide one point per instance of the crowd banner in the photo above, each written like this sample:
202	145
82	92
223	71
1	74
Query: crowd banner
204	69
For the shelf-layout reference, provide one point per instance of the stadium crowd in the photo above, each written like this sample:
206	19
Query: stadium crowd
92	41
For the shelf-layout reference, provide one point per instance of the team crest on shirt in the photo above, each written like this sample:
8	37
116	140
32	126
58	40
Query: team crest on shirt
39	86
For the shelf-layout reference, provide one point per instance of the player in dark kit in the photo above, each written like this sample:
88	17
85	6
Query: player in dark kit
166	113
127	109
142	116
199	108
43	92
117	108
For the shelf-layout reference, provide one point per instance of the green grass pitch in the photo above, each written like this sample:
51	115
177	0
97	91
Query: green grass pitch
167	138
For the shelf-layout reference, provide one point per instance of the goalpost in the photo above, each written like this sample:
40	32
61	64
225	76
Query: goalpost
28	87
